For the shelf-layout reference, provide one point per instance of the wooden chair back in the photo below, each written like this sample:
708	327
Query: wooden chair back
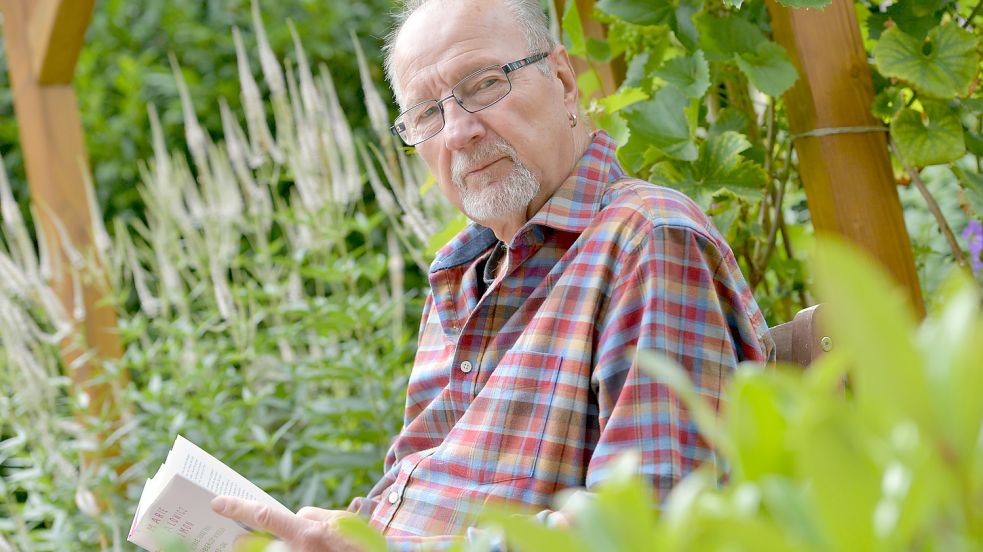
802	340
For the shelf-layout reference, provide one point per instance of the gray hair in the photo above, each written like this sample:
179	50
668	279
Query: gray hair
529	15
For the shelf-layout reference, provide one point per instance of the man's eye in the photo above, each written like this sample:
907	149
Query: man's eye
427	113
486	83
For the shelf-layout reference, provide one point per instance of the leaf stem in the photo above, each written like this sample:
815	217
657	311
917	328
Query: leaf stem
933	207
972	14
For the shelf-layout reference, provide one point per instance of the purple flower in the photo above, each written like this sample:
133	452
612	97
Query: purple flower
973	234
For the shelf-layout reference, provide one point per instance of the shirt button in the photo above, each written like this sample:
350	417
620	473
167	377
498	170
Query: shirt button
466	366
393	497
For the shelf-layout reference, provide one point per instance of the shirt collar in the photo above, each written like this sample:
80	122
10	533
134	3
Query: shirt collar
571	208
577	201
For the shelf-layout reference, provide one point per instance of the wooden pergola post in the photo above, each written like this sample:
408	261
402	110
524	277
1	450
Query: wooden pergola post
847	176
43	40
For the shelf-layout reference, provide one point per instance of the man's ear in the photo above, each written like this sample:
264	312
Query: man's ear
567	77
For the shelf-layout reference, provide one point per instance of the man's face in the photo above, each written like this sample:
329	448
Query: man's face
493	163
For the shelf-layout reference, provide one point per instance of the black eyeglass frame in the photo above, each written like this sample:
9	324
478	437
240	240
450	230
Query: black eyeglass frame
507	68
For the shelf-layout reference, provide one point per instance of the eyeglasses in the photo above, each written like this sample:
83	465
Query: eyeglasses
479	90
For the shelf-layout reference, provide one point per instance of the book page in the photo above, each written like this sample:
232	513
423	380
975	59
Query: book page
210	473
177	500
183	510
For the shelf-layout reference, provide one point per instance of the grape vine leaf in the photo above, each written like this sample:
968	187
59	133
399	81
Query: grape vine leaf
718	167
941	66
736	40
804	3
930	138
690	74
662	122
723	37
768	68
639	12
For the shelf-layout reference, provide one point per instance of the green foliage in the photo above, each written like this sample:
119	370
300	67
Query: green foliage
941	66
266	310
693	113
124	66
891	460
931	137
696	70
719	169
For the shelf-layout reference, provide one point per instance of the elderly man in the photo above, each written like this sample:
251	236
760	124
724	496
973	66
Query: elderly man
525	381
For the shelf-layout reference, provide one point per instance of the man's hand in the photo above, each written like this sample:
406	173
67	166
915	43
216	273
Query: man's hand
309	530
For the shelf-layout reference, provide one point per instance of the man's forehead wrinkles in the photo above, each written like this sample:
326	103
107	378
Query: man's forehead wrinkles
436	80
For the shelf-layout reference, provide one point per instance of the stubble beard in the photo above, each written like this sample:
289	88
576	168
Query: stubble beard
482	200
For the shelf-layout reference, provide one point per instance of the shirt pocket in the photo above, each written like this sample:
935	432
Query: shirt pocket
500	435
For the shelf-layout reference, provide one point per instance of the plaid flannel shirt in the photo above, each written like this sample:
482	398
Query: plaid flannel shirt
530	388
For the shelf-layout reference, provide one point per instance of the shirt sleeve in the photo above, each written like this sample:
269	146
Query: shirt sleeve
679	292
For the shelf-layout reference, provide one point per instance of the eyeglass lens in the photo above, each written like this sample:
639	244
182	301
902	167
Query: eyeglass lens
474	93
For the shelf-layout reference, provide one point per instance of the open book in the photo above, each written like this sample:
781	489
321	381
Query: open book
177	502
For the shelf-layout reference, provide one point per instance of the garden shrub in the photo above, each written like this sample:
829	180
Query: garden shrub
268	305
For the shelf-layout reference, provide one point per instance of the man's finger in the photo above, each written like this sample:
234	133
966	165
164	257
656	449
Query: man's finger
281	523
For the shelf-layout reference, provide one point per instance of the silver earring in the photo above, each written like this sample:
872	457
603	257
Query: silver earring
573	120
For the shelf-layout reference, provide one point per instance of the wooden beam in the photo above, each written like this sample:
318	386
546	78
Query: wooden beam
848	178
56	34
54	154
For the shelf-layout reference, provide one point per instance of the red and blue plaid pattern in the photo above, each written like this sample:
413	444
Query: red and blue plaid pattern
531	387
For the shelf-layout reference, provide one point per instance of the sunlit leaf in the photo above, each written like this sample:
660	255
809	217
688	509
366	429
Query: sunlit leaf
573	31
354	529
941	66
874	323
622	99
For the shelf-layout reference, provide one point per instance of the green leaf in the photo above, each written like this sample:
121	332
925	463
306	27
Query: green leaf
682	23
359	532
622	99
639	12
614	124
723	37
874	324
690	74
888	102
729	118
930	138
598	51
815	4
573	31
441	238
768	68
759	426
719	166
662	122
972	184
941	66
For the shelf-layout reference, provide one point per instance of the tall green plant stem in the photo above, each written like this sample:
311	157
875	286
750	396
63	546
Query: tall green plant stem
972	15
933	207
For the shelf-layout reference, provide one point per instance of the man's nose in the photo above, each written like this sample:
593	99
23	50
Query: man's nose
461	128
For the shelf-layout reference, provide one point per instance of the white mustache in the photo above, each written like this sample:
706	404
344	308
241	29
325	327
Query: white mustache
464	162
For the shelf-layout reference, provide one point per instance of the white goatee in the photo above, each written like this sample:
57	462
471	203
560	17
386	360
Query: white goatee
481	199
